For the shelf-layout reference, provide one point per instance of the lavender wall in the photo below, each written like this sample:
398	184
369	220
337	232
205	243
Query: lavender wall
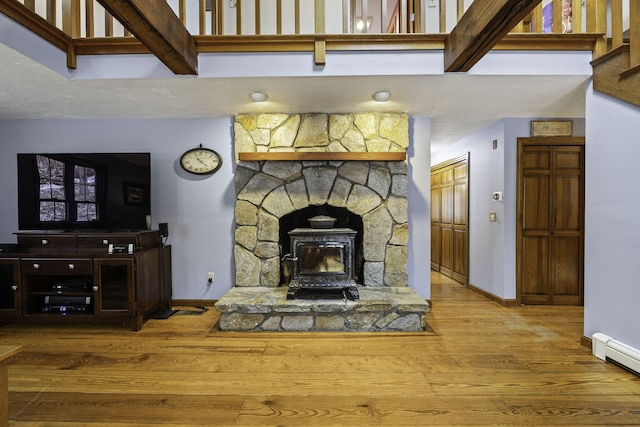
612	235
199	210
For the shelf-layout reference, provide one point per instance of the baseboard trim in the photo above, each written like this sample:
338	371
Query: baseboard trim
503	302
194	302
586	342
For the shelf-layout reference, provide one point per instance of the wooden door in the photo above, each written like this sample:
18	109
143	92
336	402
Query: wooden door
550	236
449	218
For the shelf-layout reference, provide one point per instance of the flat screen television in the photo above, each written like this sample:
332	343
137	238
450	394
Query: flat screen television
84	191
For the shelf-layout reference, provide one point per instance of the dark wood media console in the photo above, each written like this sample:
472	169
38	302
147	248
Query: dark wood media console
85	276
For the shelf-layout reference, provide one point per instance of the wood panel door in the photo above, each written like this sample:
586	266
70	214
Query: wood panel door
550	228
449	218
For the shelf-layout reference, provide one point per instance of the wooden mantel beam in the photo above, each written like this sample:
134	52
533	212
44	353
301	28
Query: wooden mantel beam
155	24
483	25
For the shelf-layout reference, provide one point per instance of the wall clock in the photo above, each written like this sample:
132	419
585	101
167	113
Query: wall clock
200	161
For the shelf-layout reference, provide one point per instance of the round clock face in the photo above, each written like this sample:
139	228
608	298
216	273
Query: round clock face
201	161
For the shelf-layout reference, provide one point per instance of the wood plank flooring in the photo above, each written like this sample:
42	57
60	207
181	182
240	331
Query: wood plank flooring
481	365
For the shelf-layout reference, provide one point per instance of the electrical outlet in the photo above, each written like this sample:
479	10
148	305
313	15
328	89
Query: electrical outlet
210	277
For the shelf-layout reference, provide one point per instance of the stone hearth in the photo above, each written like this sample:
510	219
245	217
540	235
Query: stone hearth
267	191
267	309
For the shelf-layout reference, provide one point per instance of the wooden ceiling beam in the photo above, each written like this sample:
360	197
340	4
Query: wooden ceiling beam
155	24
483	25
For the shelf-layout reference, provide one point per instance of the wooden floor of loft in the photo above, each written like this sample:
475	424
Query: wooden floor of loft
482	365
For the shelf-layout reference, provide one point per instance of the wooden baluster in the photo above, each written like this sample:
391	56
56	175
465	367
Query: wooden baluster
350	12
443	16
576	15
364	9
108	24
182	12
616	23
297	14
634	36
202	17
418	22
214	17
30	4
220	13
536	19
556	17
257	15
597	23
459	10
345	17
71	17
89	24
403	16
279	17
319	17
238	17
51	12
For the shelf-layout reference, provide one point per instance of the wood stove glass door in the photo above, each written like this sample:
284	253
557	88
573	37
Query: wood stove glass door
322	258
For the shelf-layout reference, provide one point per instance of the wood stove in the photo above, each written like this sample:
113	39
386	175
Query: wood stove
322	263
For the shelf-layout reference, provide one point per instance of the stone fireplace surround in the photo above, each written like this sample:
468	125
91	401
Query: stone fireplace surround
268	190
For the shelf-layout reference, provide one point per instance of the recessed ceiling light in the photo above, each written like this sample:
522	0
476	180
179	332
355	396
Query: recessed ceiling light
258	97
382	96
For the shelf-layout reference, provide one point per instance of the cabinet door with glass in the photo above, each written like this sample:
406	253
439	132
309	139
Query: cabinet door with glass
114	286
9	288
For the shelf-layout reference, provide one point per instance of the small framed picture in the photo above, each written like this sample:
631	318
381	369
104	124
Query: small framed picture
135	194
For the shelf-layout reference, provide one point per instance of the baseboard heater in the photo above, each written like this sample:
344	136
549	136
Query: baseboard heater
608	349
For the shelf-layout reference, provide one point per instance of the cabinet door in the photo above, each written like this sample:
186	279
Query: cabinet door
9	288
114	283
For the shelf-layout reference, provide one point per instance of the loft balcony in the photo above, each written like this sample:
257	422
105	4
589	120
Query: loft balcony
181	29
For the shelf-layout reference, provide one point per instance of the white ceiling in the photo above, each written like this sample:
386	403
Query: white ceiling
458	104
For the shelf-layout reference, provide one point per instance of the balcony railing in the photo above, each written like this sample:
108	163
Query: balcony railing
87	19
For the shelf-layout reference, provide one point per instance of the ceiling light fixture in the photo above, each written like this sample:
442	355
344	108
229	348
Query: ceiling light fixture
258	97
382	96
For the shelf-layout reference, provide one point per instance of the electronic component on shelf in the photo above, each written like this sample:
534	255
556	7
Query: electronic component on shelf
121	249
66	303
72	285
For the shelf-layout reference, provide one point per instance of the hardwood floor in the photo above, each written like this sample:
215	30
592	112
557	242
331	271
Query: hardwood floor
482	365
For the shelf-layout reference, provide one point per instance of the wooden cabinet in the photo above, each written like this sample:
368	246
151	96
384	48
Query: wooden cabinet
80	277
449	218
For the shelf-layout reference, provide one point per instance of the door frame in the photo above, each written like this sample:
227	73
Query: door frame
541	140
